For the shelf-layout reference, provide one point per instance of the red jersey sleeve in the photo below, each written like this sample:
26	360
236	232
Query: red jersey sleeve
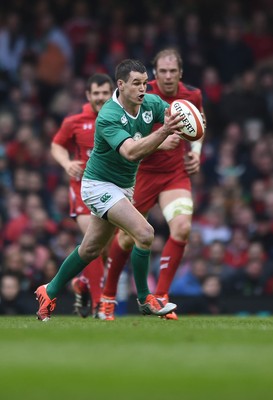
65	134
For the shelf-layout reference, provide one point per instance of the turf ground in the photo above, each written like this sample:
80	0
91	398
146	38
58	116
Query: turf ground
212	358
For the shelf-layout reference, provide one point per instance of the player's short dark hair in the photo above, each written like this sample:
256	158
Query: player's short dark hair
99	79
172	51
124	68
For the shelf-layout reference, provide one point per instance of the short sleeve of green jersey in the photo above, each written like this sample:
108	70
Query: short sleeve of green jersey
111	131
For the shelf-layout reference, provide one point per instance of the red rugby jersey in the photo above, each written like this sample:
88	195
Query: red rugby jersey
169	160
76	133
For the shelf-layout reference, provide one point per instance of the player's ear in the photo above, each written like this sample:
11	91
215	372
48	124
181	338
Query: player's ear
120	84
87	94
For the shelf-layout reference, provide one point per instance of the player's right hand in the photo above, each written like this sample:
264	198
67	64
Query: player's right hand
172	123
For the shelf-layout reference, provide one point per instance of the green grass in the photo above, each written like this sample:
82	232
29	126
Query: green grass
212	358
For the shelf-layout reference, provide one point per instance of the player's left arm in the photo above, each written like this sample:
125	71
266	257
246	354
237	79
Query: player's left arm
170	143
192	159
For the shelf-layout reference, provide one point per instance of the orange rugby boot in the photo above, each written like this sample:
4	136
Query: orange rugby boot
107	308
155	306
172	315
46	305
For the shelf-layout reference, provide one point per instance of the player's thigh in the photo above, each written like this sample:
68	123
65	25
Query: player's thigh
125	216
83	222
97	235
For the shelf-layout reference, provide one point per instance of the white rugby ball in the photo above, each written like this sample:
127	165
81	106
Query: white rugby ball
192	126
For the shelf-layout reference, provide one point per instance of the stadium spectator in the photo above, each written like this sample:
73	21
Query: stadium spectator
7	127
189	283
212	291
12	301
193	48
244	102
5	173
252	280
231	56
265	82
259	38
79	25
31	214
16	148
53	52
63	242
195	246
207	300
214	226
236	250
215	255
12	45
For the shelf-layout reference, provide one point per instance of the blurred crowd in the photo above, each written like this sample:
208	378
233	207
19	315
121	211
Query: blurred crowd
48	49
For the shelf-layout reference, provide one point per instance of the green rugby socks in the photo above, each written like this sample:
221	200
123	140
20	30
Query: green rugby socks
140	261
71	267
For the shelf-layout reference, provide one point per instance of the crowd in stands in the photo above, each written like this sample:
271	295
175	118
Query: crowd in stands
48	49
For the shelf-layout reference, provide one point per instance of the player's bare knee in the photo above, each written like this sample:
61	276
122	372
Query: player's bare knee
146	236
88	252
181	229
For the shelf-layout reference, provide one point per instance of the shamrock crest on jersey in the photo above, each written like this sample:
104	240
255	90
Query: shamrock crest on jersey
137	136
124	120
147	116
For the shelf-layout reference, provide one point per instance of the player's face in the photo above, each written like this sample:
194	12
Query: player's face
98	95
168	75
132	92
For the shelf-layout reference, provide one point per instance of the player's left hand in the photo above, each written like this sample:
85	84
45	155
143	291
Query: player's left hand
192	162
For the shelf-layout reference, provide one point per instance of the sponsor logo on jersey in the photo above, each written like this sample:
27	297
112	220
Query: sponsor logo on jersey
147	116
137	136
87	126
124	120
79	209
105	197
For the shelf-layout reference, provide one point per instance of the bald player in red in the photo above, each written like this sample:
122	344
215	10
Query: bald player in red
71	147
163	178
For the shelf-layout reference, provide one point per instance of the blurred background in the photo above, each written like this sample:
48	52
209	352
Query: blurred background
48	49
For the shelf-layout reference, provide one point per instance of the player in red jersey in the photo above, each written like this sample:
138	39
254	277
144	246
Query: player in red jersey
163	178
71	147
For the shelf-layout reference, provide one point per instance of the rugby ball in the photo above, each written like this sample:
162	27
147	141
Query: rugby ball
192	126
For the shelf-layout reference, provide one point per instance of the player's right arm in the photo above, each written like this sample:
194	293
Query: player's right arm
74	168
136	150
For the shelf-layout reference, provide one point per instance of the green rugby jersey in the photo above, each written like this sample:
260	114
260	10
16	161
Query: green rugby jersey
113	126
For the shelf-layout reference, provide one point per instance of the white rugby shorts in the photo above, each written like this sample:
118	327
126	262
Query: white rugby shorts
99	196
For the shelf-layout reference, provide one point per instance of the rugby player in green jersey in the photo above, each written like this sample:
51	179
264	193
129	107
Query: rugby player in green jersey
123	137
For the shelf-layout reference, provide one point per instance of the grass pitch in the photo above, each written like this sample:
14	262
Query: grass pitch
138	358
